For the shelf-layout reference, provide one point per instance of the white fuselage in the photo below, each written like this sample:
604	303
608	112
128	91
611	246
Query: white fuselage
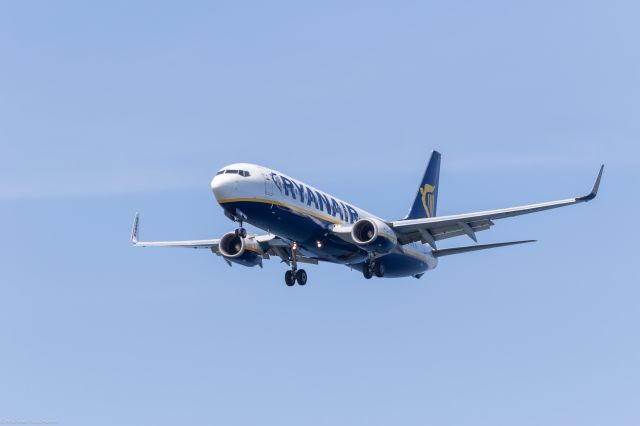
289	208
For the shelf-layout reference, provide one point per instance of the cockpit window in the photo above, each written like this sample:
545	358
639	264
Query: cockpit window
242	173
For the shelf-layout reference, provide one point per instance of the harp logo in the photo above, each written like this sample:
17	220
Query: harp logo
427	198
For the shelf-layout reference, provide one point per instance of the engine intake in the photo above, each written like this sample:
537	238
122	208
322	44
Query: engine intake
374	235
244	251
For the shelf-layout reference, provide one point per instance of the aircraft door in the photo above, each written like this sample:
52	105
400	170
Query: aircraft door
268	183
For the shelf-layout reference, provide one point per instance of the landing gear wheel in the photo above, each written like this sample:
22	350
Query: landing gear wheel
367	272
241	232
378	269
289	278
301	277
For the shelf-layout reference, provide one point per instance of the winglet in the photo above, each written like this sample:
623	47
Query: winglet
134	230
594	191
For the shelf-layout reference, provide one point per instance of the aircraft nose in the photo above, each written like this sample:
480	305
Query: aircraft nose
221	186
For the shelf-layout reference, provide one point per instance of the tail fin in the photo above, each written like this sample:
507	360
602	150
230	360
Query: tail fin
427	197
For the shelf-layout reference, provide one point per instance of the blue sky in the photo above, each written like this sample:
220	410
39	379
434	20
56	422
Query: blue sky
112	108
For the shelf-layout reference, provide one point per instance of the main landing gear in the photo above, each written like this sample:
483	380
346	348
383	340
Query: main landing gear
371	268
292	276
295	274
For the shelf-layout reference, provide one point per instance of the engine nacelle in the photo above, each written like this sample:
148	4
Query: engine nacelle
245	251
374	235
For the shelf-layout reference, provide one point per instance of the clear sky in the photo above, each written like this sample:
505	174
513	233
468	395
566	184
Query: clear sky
115	107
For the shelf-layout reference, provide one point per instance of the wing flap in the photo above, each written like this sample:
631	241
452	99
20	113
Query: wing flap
442	232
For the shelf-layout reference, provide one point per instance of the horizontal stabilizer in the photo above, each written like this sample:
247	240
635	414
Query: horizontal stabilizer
458	250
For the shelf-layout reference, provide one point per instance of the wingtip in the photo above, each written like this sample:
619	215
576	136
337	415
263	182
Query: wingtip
134	229
596	186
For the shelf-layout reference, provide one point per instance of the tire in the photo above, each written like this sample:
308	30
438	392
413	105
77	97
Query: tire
378	270
366	271
289	278
243	233
301	277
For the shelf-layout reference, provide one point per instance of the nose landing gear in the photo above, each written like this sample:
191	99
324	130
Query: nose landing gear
239	217
240	232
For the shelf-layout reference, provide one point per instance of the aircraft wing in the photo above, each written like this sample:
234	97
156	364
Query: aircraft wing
432	229
195	244
269	243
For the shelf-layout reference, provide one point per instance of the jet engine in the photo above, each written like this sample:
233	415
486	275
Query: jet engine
245	251
374	235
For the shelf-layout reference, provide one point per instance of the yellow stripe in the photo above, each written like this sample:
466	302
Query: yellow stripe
278	203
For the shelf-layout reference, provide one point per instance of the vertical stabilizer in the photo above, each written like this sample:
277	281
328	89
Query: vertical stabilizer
426	200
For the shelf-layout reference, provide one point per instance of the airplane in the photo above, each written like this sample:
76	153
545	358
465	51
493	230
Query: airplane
306	225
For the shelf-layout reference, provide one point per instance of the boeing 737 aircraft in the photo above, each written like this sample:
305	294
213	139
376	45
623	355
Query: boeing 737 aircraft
306	225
